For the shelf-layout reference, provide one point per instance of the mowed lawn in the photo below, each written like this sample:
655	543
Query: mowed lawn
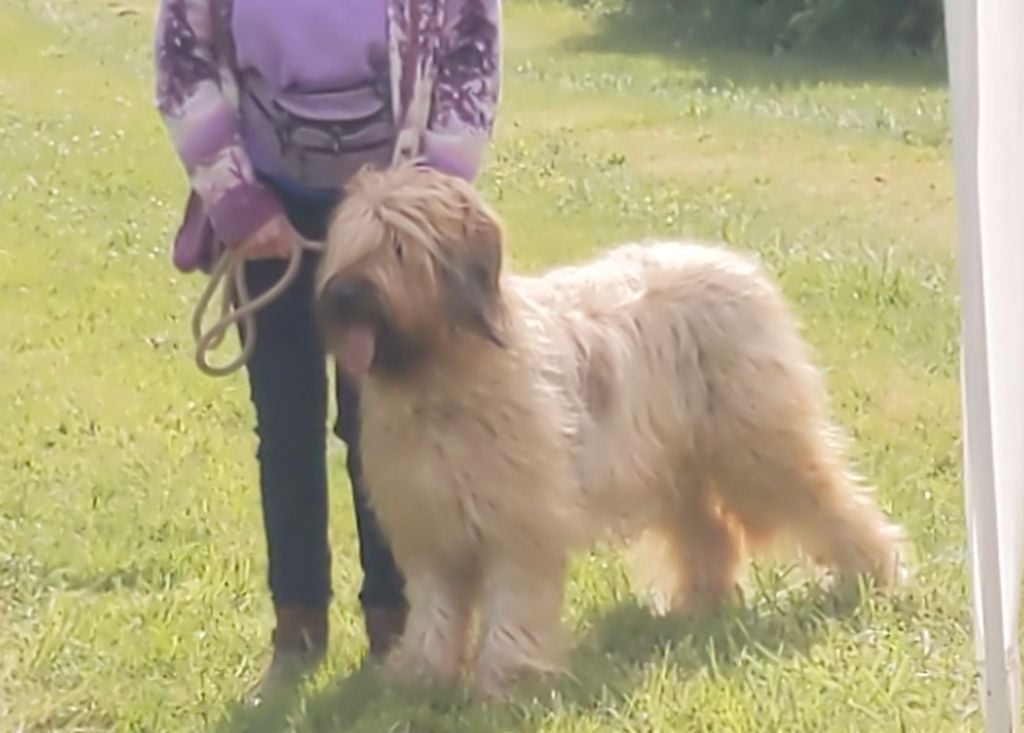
132	591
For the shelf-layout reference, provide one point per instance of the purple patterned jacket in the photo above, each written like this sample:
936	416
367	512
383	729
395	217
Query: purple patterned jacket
443	66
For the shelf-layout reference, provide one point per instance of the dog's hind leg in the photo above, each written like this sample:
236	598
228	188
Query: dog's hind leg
689	559
785	475
520	620
434	643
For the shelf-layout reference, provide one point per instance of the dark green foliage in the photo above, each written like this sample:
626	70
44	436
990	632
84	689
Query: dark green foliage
783	24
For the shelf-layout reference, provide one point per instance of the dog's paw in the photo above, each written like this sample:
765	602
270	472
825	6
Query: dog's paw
699	601
406	666
494	684
499	685
497	674
404	669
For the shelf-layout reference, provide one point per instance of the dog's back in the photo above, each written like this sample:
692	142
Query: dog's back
646	335
701	414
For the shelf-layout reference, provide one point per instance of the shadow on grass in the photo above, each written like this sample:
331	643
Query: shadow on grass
728	58
609	663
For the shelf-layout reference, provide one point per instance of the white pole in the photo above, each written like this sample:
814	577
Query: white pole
987	89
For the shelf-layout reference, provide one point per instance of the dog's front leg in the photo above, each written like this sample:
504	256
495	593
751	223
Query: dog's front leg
520	620
433	646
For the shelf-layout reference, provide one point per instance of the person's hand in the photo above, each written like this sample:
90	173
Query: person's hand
274	240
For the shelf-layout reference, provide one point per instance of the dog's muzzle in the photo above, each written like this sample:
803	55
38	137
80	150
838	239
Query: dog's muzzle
351	314
358	327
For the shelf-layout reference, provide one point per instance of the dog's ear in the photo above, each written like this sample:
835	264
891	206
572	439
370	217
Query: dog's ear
473	296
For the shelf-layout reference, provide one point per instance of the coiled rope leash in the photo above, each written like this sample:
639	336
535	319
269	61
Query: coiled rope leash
237	305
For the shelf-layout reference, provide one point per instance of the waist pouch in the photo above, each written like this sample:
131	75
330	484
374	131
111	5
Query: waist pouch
320	139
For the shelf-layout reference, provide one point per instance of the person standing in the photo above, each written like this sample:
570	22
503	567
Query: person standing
271	108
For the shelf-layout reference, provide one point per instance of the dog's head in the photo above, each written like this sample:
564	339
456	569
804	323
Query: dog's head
413	257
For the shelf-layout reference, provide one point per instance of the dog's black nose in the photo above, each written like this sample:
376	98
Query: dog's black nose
345	299
340	294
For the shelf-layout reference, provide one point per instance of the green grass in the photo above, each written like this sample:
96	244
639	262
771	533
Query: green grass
131	552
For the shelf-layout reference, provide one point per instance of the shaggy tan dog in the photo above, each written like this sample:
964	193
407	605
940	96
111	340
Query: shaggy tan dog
660	394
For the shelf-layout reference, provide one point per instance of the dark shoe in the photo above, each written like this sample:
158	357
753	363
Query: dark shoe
300	643
384	626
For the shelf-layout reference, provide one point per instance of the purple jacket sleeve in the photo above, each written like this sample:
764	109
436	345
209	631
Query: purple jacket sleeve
193	88
467	89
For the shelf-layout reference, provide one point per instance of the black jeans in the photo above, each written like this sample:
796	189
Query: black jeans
288	385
